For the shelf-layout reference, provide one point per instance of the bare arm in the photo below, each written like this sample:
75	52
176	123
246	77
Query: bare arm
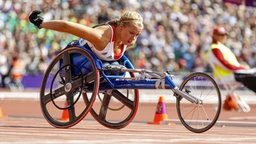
95	36
99	37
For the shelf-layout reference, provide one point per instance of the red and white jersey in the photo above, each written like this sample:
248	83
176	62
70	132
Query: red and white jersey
107	53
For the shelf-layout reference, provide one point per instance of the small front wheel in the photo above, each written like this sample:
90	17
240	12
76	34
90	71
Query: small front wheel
200	116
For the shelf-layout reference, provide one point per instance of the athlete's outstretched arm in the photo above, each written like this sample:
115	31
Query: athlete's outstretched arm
79	30
96	36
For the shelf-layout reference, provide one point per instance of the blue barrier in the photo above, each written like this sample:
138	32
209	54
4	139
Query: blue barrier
32	81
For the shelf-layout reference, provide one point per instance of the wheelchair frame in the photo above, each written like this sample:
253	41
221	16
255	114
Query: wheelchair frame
205	103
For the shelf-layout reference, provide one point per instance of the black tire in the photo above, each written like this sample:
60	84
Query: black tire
199	117
62	88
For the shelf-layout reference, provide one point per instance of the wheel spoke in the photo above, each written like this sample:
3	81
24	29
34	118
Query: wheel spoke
55	94
104	107
76	84
66	60
89	78
61	91
123	99
71	110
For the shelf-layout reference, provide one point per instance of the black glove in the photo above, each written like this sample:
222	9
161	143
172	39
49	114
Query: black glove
36	19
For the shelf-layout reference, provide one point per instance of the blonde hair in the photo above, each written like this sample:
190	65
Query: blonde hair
128	17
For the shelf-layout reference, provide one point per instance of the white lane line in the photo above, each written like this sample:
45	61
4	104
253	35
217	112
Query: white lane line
142	140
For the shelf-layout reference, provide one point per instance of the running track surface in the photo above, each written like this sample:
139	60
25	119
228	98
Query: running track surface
25	124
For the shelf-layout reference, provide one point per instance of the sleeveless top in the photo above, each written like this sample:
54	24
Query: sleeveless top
107	53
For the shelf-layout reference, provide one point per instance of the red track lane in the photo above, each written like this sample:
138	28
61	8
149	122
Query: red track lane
26	124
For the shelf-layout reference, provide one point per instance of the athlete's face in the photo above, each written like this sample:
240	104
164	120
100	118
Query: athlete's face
130	33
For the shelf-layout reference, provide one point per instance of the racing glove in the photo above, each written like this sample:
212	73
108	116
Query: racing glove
35	18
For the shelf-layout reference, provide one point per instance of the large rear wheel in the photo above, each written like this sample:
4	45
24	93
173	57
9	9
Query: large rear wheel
116	108
65	83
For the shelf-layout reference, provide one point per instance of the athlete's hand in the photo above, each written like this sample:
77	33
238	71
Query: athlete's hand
35	18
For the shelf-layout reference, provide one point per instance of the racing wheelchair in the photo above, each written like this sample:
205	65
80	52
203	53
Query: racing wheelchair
76	78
